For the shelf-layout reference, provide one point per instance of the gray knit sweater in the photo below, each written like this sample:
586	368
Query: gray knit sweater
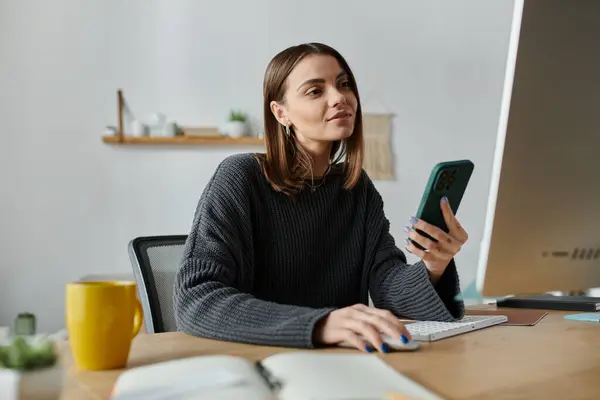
260	267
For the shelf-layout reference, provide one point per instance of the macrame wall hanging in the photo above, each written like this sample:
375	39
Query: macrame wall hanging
377	131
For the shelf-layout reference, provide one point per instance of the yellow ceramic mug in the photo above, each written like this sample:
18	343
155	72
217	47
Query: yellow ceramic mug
102	319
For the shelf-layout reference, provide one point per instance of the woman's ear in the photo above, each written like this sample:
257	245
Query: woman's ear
279	113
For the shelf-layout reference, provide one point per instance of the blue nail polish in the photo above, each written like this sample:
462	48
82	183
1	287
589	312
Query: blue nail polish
407	229
407	241
385	348
445	199
368	348
404	339
413	220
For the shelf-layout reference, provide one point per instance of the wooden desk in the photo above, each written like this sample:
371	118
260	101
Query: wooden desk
555	359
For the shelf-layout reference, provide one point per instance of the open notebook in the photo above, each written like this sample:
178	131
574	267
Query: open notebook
298	375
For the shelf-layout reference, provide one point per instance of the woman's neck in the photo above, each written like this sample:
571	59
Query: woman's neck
320	153
320	165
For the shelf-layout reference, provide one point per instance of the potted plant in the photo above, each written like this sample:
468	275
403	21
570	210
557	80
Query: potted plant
236	126
29	369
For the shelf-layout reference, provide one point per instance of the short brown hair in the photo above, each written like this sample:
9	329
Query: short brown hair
286	164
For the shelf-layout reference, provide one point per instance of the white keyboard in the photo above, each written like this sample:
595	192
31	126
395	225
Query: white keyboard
429	331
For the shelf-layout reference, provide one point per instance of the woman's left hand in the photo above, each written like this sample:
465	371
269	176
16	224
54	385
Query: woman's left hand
437	255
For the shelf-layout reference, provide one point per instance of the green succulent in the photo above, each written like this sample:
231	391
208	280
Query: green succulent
237	116
22	355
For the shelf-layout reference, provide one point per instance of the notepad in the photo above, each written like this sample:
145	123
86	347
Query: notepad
516	317
588	317
295	375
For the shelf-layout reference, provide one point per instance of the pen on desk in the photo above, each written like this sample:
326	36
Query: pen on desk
273	383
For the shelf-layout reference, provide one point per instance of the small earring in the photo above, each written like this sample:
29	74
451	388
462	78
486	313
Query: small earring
287	130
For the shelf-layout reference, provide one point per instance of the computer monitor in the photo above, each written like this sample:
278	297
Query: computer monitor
542	229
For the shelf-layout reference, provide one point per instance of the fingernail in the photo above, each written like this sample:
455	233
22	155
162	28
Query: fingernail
413	220
369	349
385	348
404	339
407	229
445	199
407	241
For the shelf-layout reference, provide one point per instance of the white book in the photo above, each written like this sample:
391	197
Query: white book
296	375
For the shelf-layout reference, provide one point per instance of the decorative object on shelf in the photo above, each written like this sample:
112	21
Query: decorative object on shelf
185	140
130	126
157	124
170	129
377	132
200	131
237	125
164	132
25	324
161	126
110	130
139	129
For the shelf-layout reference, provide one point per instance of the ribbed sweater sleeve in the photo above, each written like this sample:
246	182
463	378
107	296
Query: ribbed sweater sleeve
406	289
211	294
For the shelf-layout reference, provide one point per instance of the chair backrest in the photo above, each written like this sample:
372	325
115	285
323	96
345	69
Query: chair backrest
155	261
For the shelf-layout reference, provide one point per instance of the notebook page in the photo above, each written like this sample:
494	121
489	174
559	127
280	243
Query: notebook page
203	377
329	376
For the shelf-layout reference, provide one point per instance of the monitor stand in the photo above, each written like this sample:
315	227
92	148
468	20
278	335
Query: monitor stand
570	301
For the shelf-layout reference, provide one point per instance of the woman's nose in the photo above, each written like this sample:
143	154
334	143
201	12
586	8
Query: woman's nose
337	98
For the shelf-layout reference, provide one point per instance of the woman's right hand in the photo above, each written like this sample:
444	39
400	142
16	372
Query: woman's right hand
359	326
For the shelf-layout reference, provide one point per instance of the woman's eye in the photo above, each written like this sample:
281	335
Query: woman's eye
346	84
313	92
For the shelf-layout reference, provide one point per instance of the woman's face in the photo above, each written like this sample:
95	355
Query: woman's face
319	102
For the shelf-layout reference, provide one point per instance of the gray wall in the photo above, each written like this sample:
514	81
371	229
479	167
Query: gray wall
70	204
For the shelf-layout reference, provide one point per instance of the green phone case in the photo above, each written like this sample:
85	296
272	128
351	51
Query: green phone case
450	179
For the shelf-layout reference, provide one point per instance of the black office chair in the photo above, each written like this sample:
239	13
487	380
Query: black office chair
155	261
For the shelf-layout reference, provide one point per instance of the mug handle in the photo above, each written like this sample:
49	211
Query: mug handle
138	317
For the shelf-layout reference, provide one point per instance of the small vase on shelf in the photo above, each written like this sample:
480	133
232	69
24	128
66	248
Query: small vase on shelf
237	125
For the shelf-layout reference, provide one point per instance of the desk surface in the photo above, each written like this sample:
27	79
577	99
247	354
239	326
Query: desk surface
556	358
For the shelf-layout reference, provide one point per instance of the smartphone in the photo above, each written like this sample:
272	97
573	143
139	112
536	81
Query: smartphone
450	179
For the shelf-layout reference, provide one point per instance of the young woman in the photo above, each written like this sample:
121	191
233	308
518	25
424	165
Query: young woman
287	246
